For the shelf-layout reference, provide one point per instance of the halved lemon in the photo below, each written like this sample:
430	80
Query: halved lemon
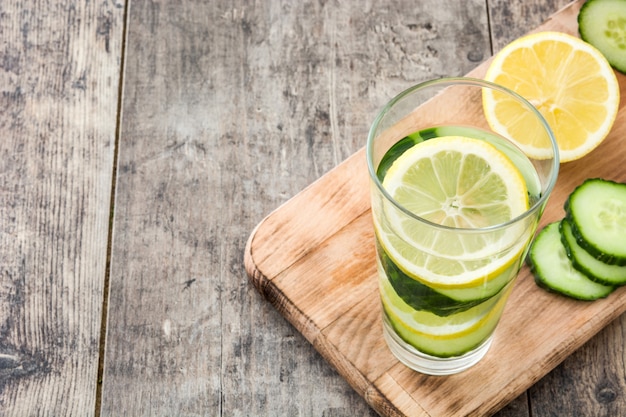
569	81
460	183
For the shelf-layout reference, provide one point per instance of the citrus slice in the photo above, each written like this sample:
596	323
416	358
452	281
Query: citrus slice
568	80
428	323
465	185
442	336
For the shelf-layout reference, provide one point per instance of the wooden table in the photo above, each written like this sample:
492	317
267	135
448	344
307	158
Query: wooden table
141	142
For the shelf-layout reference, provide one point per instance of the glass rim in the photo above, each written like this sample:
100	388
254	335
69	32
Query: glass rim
476	82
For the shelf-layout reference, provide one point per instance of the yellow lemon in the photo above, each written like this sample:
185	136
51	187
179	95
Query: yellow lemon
569	81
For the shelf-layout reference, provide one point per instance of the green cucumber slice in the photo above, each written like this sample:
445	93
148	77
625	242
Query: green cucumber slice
583	261
423	298
596	210
602	23
554	272
441	336
487	289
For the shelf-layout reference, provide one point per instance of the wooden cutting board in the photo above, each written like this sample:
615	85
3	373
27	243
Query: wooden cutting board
313	259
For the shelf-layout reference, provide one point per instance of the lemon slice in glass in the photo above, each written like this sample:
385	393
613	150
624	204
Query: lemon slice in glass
569	81
459	183
442	336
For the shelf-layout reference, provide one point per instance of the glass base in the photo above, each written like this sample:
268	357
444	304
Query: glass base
431	365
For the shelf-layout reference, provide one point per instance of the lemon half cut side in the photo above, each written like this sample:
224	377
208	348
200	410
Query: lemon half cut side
568	80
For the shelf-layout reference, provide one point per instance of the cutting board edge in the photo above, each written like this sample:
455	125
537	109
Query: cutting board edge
368	390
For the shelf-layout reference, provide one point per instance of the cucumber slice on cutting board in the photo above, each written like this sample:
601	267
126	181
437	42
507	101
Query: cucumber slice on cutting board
584	262
602	23
554	271
583	255
596	210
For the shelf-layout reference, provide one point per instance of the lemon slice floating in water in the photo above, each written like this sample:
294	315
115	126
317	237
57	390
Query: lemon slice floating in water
456	182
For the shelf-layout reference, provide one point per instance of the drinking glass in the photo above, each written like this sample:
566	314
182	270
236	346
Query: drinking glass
446	324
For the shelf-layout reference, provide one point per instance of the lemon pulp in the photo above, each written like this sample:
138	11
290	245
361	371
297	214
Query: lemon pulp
569	81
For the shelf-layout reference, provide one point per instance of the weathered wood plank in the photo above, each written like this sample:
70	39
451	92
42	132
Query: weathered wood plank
512	19
164	341
59	82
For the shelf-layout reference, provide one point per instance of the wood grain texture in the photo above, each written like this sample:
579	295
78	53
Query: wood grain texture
59	82
505	17
164	340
